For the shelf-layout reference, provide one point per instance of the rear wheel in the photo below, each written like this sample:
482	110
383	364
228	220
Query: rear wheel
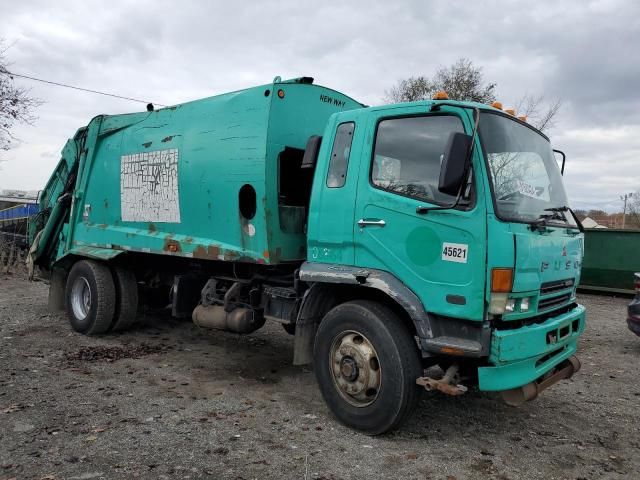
366	362
90	297
126	298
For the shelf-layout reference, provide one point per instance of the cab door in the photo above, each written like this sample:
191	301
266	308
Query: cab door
440	255
330	227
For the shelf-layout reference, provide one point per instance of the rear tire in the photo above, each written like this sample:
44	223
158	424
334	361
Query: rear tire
90	297
366	362
126	305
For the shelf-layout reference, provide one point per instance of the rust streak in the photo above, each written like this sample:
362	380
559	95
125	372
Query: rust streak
211	252
172	246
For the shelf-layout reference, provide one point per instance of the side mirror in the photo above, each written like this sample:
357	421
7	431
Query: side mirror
455	163
311	151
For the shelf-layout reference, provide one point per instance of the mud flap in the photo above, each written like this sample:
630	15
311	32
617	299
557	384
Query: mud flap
303	342
56	302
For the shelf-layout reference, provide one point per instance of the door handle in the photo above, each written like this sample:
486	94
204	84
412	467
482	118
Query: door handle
378	223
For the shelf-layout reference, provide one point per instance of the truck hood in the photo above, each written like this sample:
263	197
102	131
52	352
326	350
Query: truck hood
546	258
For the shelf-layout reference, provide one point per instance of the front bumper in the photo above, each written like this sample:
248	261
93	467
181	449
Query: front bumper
525	354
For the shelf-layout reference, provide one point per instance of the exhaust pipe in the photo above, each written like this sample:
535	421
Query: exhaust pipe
238	320
518	396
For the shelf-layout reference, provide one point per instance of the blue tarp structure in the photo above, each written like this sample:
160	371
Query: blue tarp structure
19	211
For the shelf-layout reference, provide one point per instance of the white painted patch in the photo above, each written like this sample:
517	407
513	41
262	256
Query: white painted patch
149	187
250	229
455	252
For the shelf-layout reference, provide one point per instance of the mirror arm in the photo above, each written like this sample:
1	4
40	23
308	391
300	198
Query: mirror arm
578	222
564	157
476	111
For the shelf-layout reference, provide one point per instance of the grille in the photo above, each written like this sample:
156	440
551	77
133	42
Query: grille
546	303
556	286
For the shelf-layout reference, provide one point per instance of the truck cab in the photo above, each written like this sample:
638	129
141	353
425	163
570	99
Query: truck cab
489	278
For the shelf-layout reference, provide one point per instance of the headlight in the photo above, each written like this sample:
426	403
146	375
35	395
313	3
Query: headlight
498	303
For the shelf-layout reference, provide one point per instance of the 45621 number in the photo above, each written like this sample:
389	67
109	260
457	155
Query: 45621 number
455	252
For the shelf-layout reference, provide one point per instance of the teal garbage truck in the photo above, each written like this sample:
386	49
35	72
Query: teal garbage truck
386	240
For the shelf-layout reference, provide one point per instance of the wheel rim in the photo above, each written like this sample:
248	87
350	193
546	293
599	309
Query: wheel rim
80	298
355	368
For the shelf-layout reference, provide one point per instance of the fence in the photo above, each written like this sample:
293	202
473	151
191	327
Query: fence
13	235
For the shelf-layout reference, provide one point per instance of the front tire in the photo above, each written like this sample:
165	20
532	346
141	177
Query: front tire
366	362
90	297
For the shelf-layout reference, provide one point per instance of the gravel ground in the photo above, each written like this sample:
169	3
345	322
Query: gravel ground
168	400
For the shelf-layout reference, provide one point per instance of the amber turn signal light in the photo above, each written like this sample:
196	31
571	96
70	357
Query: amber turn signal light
497	105
441	95
452	351
510	111
501	280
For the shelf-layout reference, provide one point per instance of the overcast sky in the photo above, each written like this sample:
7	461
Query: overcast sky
585	53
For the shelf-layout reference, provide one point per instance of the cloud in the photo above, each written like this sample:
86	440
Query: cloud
603	164
582	52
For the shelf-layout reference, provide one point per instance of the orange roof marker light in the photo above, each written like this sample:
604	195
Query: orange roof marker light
522	118
497	105
510	111
440	95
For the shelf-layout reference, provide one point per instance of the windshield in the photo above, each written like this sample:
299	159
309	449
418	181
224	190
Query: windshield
526	179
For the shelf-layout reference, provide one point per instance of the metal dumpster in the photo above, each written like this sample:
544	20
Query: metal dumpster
611	257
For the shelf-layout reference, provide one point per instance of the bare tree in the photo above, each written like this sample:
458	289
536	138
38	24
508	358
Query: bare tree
462	81
633	208
540	112
410	90
16	103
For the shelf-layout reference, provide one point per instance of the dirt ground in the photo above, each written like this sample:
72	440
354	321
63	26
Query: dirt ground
168	400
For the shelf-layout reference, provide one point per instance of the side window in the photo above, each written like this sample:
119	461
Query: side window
339	161
408	154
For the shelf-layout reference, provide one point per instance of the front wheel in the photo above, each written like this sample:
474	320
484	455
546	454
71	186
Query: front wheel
366	362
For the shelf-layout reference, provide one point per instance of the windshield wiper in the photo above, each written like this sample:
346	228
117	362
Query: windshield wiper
543	220
540	224
558	212
557	209
565	208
